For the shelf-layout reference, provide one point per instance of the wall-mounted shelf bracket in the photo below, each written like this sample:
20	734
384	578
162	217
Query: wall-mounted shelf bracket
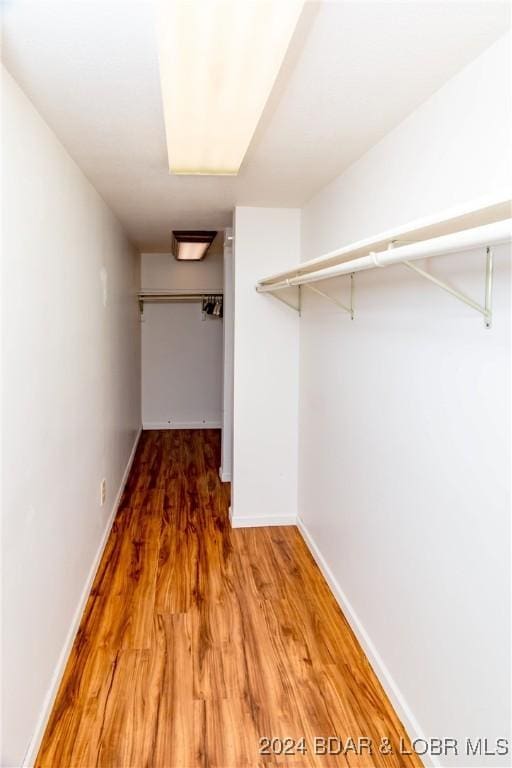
297	308
486	309
338	303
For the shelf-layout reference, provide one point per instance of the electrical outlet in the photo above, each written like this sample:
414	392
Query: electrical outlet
103	491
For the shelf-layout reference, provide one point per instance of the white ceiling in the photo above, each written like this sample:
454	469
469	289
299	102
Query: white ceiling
354	70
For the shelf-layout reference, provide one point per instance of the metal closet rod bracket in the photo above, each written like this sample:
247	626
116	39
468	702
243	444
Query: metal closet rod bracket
297	307
338	303
289	303
486	309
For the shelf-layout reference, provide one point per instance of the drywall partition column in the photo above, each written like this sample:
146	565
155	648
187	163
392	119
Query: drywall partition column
226	467
404	483
71	406
265	372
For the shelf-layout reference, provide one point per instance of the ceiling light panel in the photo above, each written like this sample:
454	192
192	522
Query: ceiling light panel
218	62
191	245
192	251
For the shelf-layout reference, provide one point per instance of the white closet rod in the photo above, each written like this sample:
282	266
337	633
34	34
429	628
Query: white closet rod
467	239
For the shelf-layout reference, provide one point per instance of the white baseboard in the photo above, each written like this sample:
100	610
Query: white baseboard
182	425
224	476
31	754
257	522
392	690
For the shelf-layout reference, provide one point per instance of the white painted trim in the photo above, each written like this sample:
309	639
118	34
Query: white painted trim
238	521
182	425
224	476
392	690
31	753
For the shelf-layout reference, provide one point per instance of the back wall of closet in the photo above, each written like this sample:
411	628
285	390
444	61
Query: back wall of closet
181	353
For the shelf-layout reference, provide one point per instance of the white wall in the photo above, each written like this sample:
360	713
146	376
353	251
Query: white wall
71	404
265	438
451	149
405	421
181	352
162	271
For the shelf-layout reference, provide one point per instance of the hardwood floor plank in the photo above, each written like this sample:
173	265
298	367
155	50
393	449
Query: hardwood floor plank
72	733
198	640
122	738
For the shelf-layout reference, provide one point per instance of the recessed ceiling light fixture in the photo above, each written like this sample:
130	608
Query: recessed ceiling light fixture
191	245
218	62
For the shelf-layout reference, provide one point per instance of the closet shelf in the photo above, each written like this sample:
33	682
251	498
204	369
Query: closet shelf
461	229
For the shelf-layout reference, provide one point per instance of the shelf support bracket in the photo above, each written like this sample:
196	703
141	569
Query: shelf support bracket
486	309
350	309
288	303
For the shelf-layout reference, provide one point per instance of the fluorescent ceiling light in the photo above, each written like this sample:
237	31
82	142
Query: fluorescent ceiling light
218	62
191	251
191	246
